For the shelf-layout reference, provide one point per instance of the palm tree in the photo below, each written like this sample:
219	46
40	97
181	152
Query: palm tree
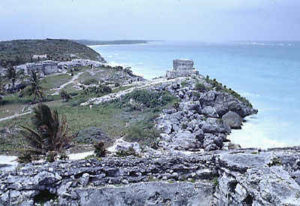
35	87
1	89
50	135
11	75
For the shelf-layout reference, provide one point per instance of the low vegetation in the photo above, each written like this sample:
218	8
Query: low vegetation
125	153
100	150
220	87
21	51
151	103
98	91
200	87
90	81
65	96
147	98
116	119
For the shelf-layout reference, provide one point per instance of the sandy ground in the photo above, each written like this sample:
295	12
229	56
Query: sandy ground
9	163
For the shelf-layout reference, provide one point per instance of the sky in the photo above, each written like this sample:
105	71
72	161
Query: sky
185	20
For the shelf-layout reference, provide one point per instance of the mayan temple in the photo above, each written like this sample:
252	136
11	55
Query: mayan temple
182	68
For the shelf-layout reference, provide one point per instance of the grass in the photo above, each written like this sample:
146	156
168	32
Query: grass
215	182
84	77
55	81
121	88
116	119
12	104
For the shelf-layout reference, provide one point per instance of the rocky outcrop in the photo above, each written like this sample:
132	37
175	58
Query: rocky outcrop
150	193
202	119
237	177
196	122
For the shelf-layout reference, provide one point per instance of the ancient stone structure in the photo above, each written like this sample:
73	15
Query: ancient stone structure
49	67
44	67
79	63
39	57
182	68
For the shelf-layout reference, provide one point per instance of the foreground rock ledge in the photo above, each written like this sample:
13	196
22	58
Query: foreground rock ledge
236	177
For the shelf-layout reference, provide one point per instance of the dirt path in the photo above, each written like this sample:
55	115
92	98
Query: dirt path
14	116
55	93
74	78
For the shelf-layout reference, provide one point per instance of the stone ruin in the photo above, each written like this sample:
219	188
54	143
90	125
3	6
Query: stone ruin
182	68
44	67
50	67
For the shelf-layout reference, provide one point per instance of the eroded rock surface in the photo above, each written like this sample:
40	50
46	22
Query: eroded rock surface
236	177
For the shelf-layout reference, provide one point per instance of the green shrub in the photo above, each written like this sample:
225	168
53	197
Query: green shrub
27	91
64	95
144	133
124	153
184	126
150	99
216	182
90	81
100	150
200	87
98	90
219	87
184	83
25	157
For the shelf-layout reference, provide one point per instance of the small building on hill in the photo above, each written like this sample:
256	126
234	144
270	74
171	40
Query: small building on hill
182	68
37	57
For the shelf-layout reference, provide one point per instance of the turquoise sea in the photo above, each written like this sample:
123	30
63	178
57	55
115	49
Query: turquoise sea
267	73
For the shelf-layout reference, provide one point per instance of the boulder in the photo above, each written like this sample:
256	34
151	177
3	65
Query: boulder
232	120
209	111
122	146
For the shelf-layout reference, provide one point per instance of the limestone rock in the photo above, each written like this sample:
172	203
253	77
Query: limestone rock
232	120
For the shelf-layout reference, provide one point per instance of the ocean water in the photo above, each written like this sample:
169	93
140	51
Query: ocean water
267	73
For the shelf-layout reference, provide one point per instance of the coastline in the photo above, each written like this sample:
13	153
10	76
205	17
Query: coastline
264	81
196	162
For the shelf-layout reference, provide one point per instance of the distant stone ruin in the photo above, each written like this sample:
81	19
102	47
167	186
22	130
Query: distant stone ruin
50	67
182	68
39	57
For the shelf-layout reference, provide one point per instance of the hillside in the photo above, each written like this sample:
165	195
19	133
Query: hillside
96	42
21	51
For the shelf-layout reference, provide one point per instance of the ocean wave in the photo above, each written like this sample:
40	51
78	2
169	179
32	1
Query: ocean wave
254	43
251	135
